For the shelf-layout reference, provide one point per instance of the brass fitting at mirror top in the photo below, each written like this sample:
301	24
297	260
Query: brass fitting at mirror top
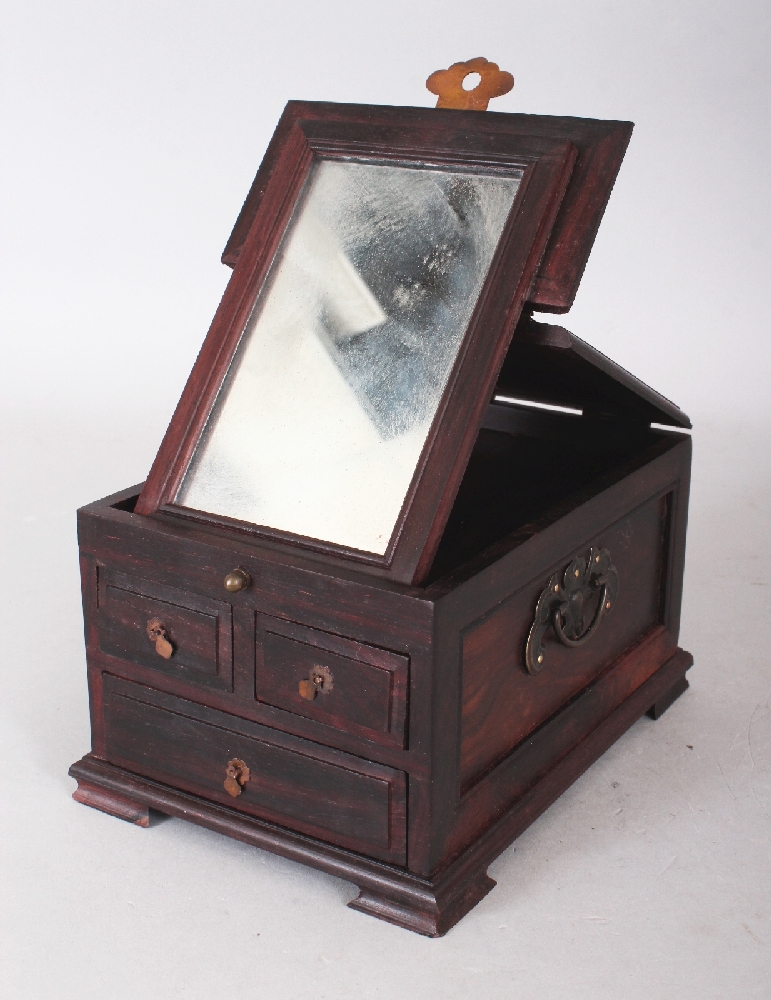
447	84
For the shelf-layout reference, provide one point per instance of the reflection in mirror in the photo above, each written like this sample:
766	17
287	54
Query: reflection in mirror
320	422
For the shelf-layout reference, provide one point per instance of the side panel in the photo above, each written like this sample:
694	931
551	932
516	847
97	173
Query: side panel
563	735
501	703
497	729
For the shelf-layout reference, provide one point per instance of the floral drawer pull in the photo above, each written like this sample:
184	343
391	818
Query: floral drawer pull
237	776
158	635
319	680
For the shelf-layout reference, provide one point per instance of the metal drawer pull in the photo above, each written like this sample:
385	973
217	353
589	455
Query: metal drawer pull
562	605
237	579
319	679
237	776
158	635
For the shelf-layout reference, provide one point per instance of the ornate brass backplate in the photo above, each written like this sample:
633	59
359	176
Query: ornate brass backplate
562	605
318	681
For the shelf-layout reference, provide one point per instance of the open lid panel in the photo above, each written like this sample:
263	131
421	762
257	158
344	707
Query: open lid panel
341	387
600	149
547	364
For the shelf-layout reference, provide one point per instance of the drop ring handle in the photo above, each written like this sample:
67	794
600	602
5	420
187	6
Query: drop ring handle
603	606
561	605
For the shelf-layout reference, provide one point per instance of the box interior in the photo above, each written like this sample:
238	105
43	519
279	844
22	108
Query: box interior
528	468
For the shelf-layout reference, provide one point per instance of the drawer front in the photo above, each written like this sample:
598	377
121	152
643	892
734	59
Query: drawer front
501	702
334	681
309	788
197	631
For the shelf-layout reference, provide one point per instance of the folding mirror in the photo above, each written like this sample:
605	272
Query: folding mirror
358	324
339	392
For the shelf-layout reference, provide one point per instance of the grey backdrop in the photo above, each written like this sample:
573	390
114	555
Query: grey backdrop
131	133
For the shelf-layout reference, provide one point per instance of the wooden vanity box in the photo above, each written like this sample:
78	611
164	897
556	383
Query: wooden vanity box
398	718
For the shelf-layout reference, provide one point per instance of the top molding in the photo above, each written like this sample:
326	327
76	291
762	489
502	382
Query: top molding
601	146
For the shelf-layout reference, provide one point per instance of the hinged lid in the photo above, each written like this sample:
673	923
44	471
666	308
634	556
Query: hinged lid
548	364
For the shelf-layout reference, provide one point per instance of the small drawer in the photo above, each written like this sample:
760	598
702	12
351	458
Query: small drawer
309	788
334	681
196	632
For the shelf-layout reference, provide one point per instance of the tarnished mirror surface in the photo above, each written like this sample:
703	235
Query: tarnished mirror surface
320	422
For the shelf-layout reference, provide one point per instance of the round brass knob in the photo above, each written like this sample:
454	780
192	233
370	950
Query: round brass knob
237	579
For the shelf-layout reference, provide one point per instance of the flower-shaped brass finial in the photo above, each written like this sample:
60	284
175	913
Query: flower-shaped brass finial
447	84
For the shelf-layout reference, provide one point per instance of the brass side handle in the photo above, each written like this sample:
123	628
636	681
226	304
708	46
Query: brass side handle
237	579
158	634
562	602
318	681
236	776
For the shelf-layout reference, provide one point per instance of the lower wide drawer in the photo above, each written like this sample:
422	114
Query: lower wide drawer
297	784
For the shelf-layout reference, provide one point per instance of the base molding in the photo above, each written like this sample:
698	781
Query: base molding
431	913
668	698
430	906
110	801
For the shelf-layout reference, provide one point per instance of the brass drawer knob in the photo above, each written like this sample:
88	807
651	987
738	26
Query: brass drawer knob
237	579
237	775
319	679
158	635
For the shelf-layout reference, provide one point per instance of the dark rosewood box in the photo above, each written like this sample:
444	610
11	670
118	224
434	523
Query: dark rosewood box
399	719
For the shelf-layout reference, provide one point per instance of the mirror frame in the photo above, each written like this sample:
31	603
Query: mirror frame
601	147
445	142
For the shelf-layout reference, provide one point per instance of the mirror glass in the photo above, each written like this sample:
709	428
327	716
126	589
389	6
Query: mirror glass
320	422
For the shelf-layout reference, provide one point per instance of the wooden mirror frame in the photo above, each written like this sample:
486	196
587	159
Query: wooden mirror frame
546	164
601	147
